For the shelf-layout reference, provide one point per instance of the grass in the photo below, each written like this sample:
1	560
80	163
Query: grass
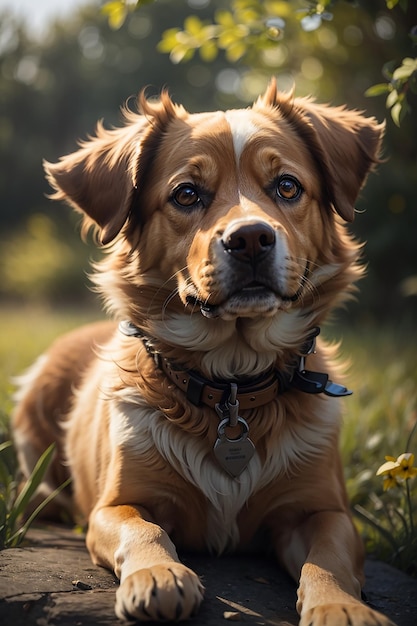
379	416
26	332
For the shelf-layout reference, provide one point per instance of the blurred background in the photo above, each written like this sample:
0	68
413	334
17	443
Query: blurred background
63	67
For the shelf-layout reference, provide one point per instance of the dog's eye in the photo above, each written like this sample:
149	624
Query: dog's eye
185	196
288	188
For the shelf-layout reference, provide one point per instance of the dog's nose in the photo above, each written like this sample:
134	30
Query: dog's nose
249	242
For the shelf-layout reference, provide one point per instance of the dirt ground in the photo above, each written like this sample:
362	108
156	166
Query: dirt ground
52	582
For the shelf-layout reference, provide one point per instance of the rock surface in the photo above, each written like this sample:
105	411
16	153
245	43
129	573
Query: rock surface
52	582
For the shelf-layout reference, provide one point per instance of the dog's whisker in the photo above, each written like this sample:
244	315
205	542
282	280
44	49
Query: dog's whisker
167	301
163	285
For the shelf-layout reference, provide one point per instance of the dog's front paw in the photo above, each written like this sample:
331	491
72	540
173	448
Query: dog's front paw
355	614
168	592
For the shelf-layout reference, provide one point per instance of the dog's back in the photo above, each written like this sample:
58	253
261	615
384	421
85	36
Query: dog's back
45	398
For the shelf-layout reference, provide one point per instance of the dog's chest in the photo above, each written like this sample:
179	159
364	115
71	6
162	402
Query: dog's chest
149	437
148	434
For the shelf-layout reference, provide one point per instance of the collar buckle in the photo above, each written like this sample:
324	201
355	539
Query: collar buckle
315	382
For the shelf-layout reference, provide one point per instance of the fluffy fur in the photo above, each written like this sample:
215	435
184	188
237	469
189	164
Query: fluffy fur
226	245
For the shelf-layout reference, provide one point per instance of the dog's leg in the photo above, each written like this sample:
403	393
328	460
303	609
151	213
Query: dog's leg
154	585
330	581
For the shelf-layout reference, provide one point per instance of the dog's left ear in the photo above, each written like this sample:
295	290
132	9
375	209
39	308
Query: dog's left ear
100	179
345	144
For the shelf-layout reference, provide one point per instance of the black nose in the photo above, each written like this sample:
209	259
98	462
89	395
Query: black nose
249	242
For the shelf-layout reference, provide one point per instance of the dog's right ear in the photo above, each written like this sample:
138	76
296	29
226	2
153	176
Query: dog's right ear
100	178
97	179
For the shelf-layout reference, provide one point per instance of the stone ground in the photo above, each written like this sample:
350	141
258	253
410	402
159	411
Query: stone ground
52	582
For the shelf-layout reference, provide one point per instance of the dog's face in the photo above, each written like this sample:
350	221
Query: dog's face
238	213
233	214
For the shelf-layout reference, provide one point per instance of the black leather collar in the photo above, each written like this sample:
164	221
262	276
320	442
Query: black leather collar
251	394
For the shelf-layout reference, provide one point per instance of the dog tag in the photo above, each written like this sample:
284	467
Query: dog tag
233	454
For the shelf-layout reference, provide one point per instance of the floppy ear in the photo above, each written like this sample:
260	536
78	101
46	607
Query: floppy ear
345	144
101	178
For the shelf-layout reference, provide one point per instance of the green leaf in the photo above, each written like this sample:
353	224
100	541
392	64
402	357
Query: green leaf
181	53
208	51
3	523
5	477
278	8
31	485
396	111
410	61
377	90
230	37
225	18
408	67
116	12
169	40
193	25
20	534
3	514
236	51
5	445
373	521
392	98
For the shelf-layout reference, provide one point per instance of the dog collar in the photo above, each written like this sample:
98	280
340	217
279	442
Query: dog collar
228	397
259	392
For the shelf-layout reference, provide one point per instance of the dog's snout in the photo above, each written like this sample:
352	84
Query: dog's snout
249	242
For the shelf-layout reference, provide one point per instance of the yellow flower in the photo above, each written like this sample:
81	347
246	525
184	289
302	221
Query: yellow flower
388	471
406	467
389	467
395	470
390	481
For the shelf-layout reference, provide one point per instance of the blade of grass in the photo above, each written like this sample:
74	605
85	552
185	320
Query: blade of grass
372	521
18	536
31	485
5	445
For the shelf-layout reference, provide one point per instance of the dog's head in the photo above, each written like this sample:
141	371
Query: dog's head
230	215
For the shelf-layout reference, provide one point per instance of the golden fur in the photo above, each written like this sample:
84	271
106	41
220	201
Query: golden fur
226	245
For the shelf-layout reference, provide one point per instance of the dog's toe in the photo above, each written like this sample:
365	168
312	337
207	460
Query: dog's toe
355	614
168	592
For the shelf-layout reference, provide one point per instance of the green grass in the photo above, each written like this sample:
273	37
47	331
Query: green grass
379	421
25	333
379	416
383	409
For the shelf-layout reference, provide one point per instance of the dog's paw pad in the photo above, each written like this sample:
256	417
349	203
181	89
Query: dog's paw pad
355	614
163	593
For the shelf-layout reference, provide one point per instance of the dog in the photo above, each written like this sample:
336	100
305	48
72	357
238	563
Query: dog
206	415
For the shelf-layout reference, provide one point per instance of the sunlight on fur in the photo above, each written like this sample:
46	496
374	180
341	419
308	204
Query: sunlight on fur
210	416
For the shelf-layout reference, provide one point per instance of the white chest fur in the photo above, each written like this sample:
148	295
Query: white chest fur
141	429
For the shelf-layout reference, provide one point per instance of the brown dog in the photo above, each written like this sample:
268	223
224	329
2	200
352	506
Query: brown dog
208	416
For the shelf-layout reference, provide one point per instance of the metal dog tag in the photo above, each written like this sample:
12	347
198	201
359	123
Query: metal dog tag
233	454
